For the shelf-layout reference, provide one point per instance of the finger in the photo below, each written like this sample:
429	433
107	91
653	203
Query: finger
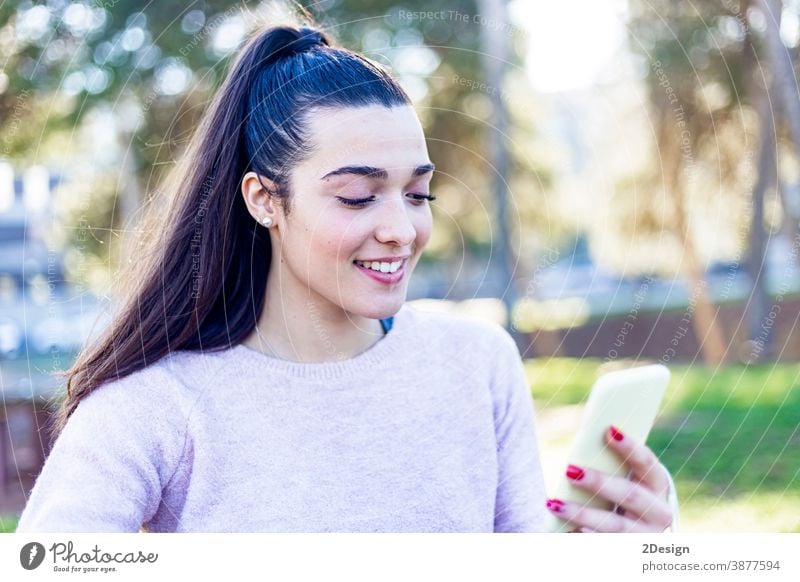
634	499
645	467
596	520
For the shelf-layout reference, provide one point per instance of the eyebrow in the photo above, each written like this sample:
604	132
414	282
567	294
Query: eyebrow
371	172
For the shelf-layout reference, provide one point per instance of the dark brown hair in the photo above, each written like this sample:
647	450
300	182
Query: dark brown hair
201	285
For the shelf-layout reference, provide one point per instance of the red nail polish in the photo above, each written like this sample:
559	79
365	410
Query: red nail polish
616	434
575	473
555	505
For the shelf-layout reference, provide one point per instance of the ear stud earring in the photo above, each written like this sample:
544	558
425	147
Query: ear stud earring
266	221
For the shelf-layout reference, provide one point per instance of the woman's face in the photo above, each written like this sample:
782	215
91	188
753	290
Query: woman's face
375	154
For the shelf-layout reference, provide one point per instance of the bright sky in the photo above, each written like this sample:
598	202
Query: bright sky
570	41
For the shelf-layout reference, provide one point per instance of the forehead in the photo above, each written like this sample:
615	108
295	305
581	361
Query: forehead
374	135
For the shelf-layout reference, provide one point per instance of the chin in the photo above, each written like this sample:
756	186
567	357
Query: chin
379	311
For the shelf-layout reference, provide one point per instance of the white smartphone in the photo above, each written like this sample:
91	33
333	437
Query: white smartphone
628	399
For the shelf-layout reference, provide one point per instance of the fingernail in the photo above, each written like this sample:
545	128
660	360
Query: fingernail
615	434
555	505
575	473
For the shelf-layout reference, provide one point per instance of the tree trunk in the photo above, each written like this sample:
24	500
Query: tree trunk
496	51
705	321
780	65
785	87
757	305
707	326
762	90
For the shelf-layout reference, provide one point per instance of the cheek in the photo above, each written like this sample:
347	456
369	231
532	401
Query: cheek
337	239
424	228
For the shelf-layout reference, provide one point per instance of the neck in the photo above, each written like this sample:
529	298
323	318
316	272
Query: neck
308	328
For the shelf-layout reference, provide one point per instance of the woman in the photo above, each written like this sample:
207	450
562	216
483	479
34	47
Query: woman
265	373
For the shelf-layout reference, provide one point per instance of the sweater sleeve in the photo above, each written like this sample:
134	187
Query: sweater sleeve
109	464
520	500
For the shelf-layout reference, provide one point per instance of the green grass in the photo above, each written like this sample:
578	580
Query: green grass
8	523
729	437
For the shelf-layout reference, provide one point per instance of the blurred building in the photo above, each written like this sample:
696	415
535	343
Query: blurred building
36	337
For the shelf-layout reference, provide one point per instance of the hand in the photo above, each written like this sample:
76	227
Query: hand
642	505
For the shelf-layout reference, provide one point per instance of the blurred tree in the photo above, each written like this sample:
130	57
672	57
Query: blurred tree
781	68
69	60
757	308
707	81
496	53
786	96
779	99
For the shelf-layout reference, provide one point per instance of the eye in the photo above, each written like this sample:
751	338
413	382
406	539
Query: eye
421	197
355	201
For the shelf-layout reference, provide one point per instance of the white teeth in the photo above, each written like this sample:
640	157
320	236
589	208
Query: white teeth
382	267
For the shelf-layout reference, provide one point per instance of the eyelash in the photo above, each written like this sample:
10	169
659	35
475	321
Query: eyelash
363	201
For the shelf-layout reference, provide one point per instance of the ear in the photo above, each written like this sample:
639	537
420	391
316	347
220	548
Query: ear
256	191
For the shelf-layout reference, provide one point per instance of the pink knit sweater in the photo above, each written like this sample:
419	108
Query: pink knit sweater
429	430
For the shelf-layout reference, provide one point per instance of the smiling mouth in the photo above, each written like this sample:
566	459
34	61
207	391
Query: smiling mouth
385	267
387	278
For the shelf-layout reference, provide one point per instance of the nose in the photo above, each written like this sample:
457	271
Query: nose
394	223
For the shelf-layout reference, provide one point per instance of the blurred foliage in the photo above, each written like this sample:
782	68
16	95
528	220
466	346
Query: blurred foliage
155	66
704	74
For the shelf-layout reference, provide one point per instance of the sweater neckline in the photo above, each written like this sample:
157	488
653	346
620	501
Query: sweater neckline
379	355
